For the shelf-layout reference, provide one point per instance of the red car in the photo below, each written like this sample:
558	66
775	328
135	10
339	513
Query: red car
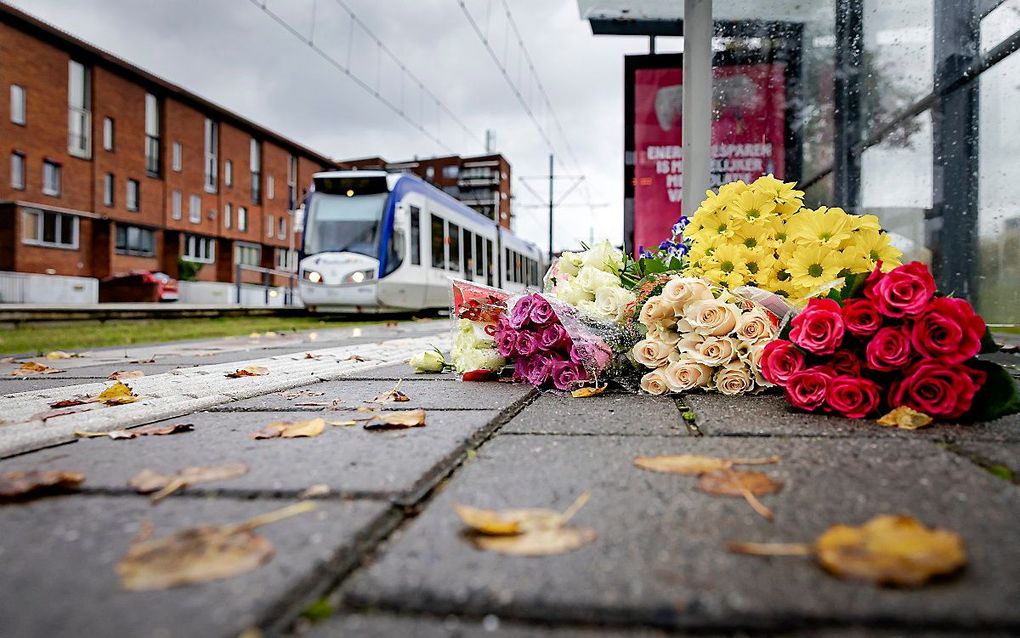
138	285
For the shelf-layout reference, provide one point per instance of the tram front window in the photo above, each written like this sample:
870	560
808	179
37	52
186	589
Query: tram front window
338	223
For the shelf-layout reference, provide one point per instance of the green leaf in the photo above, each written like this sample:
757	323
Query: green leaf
997	397
318	610
988	343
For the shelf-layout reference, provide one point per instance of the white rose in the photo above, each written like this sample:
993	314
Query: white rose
591	279
734	378
568	263
428	361
651	354
715	351
680	291
753	360
665	335
689	343
654	383
686	374
479	359
755	326
612	301
603	257
570	292
470	335
656	312
712	317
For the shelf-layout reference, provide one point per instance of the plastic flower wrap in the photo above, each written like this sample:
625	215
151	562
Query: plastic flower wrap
475	310
761	235
890	342
551	344
703	336
590	281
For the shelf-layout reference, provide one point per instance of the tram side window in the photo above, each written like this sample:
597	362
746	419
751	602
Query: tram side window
469	260
438	244
479	253
507	265
415	236
454	263
490	277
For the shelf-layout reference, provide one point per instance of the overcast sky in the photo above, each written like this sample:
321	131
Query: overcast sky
232	53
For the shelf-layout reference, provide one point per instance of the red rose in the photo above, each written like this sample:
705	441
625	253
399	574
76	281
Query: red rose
938	389
949	330
889	349
861	317
819	328
779	360
901	292
806	389
852	396
846	362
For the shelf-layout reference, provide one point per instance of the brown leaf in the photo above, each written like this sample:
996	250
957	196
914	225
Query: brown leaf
249	371
695	465
126	374
291	429
31	367
397	420
200	554
147	430
148	481
151	359
394	395
302	393
540	543
80	399
517	521
905	418
590	391
7	359
747	484
74	409
356	357
19	485
312	491
309	355
119	393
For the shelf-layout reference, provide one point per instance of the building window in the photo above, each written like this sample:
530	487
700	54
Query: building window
17	171
151	134
269	226
132	240
286	259
211	161
18	104
132	194
79	117
43	228
108	134
175	204
228	215
281	231
451	171
51	178
242	219
228	173
292	183
255	158
200	249
175	157
195	209
247	254
270	187
108	189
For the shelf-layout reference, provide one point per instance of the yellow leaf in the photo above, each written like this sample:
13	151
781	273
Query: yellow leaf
31	367
539	543
291	429
19	485
343	423
117	394
905	418
57	354
249	371
695	465
747	484
148	481
517	521
583	393
126	374
397	420
392	395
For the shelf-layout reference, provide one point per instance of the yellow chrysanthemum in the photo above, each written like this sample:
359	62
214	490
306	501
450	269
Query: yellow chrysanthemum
871	246
760	263
782	192
865	222
717	223
828	227
753	207
728	265
811	267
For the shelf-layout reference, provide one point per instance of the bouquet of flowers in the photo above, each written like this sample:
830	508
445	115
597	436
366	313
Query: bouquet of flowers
590	281
700	335
535	337
889	341
761	235
475	310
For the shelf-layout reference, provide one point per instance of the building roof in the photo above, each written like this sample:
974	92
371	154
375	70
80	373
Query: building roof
64	40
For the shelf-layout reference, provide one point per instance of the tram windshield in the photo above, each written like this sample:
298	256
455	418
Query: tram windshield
345	221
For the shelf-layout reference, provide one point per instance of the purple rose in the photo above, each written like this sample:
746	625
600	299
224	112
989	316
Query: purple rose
566	375
520	370
506	342
527	344
538	369
542	312
521	313
554	337
594	353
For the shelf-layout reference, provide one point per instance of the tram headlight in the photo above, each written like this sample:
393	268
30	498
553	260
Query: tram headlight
313	276
359	276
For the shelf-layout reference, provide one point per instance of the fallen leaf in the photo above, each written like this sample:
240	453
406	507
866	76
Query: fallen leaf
31	367
126	374
60	354
319	489
147	430
309	355
517	521
356	357
315	404
590	391
80	399
290	429
343	423
905	418
302	393
19	485
541	543
362	408
200	554
151	359
391	396
250	371
148	481
254	335
7	359
886	550
695	465
397	420
74	409
747	484
117	394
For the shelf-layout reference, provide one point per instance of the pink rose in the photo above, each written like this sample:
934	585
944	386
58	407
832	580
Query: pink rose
852	396
846	362
520	315
566	375
527	344
938	389
780	360
553	337
819	328
889	349
949	330
506	341
806	389
542	311
901	292
537	369
861	317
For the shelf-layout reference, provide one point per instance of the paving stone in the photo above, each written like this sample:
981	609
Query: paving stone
770	415
422	394
388	625
660	558
992	456
59	554
352	461
403	371
604	414
28	384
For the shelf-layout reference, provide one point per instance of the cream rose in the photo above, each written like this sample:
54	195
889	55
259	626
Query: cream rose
754	326
680	291
753	360
612	301
734	378
663	334
654	383
687	374
656	312
712	317
569	263
603	257
571	293
689	342
715	351
591	279
651	354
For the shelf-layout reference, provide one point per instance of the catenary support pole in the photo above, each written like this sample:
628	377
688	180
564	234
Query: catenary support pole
697	100
550	208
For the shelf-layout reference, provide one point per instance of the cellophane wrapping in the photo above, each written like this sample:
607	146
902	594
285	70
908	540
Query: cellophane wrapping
474	310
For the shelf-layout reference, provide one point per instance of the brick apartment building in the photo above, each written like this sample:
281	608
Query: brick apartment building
105	168
482	182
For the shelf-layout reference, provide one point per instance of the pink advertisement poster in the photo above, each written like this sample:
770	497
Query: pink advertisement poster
747	138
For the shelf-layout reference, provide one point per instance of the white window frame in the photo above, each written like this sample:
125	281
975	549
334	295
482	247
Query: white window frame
242	219
133	195
255	164
270	225
128	249
195	209
292	168
211	132
152	134
108	188
286	259
176	204
281	226
245	248
108	134
19	105
199	249
47	188
228	172
79	115
175	157
38	215
228	216
270	187
18	171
